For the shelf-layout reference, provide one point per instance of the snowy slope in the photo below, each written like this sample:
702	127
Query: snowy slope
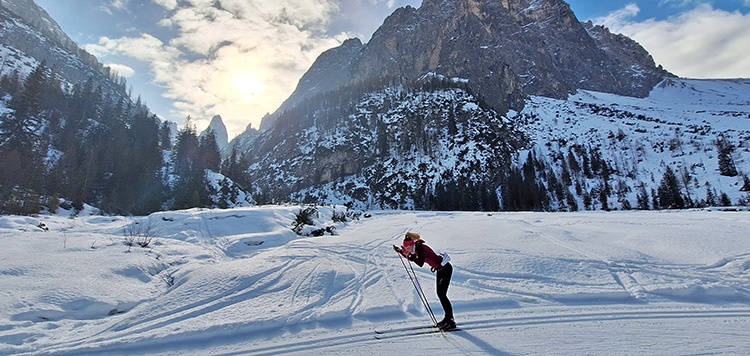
400	148
240	282
677	125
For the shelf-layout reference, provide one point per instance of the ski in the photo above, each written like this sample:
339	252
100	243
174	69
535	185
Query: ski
403	329
414	332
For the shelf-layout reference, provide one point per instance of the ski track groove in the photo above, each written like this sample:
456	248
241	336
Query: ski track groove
194	309
468	327
622	277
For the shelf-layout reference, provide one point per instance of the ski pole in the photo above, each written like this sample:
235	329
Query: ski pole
429	309
417	287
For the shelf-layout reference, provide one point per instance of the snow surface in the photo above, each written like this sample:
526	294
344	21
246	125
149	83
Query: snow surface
239	281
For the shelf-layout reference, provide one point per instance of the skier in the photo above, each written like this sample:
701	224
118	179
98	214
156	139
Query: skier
417	251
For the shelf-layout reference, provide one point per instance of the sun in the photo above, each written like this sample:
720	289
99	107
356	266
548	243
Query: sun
247	85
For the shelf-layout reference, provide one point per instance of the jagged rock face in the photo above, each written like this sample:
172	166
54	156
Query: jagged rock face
632	59
390	146
220	130
327	73
31	13
506	49
499	51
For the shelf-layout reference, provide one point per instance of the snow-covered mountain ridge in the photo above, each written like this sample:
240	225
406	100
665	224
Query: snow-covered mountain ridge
395	146
453	106
28	36
677	125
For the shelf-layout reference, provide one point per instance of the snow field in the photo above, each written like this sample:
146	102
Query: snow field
240	282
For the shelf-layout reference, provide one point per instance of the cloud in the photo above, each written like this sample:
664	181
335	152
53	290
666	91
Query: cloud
167	4
679	3
700	43
121	69
236	58
239	58
618	18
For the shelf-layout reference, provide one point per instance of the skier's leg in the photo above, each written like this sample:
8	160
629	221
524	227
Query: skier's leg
443	282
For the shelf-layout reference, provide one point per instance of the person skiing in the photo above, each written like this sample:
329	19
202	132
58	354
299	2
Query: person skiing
417	251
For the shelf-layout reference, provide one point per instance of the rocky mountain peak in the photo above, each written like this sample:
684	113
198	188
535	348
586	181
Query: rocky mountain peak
421	109
220	130
505	49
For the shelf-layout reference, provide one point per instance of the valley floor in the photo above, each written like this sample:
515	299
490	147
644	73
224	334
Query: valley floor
236	282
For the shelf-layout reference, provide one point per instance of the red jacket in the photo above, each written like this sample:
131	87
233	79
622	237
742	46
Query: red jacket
423	253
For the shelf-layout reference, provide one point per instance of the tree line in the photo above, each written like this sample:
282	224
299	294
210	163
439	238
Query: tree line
88	145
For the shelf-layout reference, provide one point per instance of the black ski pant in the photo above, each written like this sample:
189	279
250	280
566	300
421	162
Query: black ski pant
443	281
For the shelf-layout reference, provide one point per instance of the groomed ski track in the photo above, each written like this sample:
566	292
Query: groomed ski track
587	283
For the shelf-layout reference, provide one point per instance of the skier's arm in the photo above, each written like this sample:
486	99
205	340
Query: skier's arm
416	256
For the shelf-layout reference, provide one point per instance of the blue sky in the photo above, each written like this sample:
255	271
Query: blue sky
241	60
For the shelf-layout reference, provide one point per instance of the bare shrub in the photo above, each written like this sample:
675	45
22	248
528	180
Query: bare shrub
140	233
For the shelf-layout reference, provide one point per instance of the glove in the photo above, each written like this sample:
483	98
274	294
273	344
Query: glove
396	248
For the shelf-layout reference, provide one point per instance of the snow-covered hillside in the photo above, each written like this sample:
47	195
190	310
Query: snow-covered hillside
239	281
418	148
677	125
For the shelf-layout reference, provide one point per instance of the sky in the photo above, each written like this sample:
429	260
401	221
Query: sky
242	58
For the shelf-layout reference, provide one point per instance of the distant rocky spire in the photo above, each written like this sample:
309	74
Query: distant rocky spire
220	130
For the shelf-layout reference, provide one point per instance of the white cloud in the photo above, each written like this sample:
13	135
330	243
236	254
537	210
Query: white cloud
120	4
701	43
679	3
240	60
617	18
167	4
121	69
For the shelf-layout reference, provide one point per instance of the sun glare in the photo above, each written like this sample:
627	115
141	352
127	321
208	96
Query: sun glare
247	85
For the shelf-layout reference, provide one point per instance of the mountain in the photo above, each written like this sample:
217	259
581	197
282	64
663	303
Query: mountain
69	128
441	110
220	130
28	36
506	50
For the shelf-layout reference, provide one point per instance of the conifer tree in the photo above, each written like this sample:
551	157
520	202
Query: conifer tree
165	136
711	199
22	149
642	198
190	189
209	151
726	163
670	195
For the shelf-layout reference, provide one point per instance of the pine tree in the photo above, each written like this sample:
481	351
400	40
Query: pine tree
670	196
234	167
724	199
642	198
185	152
22	148
726	163
191	187
165	136
208	150
711	199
